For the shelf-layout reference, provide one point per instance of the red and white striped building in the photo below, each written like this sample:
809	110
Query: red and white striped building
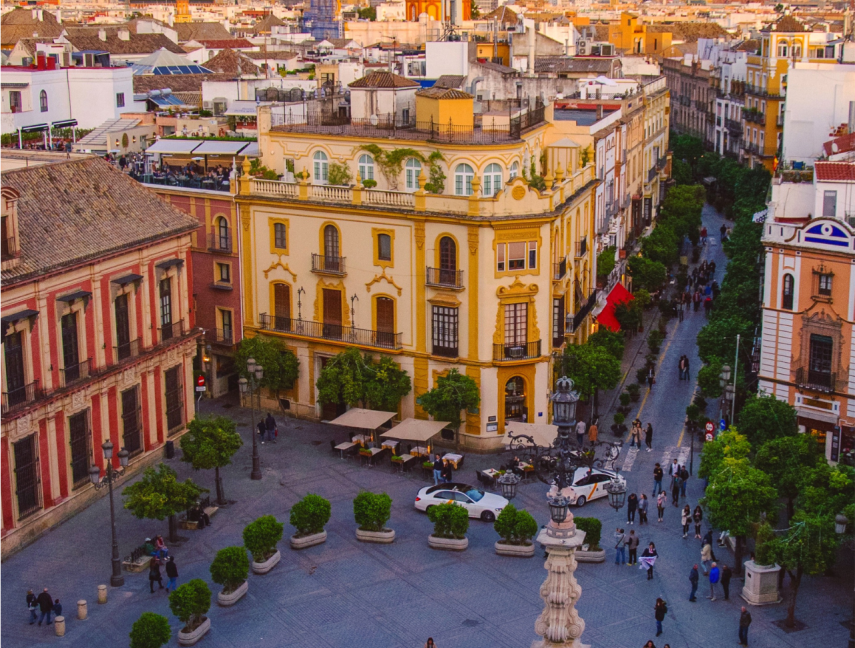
98	334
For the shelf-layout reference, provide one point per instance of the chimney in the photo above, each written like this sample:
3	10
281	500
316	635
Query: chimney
599	107
124	34
41	15
531	40
851	117
102	35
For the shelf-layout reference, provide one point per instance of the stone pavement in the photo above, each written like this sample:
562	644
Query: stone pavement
345	594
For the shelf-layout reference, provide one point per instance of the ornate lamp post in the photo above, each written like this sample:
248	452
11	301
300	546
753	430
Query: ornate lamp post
559	624
111	474
256	373
723	380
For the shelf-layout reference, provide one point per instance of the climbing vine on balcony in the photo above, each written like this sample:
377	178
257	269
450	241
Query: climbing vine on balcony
391	164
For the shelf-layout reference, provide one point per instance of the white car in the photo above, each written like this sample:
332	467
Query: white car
478	504
589	484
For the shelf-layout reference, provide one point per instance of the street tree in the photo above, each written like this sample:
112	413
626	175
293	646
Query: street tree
718	337
787	460
342	379
737	495
764	418
730	444
646	273
591	368
387	385
211	442
609	340
453	393
281	366
160	495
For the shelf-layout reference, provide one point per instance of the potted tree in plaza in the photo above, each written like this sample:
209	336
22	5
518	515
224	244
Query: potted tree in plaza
261	537
634	391
619	427
309	516
372	511
450	524
591	550
451	394
209	443
189	602
150	631
516	528
230	569
160	495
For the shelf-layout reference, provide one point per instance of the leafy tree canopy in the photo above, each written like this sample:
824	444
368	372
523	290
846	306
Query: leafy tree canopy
764	418
281	366
159	494
453	393
353	379
609	340
787	460
647	274
737	495
730	444
606	261
591	367
210	442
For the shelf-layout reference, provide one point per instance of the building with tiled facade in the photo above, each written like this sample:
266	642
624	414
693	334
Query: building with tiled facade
692	96
98	335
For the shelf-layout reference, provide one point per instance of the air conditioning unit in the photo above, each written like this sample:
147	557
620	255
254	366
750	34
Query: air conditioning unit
206	105
516	352
607	50
580	46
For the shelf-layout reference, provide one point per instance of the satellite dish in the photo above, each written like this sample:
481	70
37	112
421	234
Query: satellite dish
373	120
834	147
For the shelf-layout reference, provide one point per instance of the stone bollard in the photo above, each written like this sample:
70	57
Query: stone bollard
81	610
102	594
59	626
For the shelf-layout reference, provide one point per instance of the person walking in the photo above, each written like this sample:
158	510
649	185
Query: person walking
593	432
649	559
660	505
659	611
632	544
686	520
437	470
580	434
684	477
726	575
171	574
651	380
642	509
698	517
696	301
693	579
57	608
744	622
703	235
673	471
271	427
715	575
262	430
32	606
154	574
45	602
648	437
447	472
657	480
620	547
635	434
631	507
706	557
675	491
680	308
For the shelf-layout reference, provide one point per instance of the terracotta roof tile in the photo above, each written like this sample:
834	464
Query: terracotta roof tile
176	82
228	61
841	144
835	171
786	24
443	93
383	80
71	212
136	43
205	30
230	43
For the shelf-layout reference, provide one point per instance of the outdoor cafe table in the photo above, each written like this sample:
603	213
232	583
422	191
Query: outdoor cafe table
392	445
419	451
361	439
342	447
454	459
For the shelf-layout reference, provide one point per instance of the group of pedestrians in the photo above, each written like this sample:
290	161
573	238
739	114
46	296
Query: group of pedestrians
630	541
443	471
154	575
42	606
267	429
635	435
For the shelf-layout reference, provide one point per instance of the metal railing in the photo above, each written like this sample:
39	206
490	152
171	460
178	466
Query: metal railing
170	331
520	351
445	352
323	331
326	264
816	380
754	117
220	242
559	269
175	180
733	126
582	248
21	396
652	174
127	350
579	317
444	277
220	336
661	162
72	374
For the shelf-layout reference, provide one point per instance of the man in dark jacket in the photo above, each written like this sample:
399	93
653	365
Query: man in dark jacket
657	480
32	606
262	430
437	470
270	424
632	542
726	575
693	579
45	606
744	622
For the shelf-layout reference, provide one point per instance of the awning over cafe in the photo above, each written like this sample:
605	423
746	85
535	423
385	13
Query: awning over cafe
415	430
618	295
363	418
542	433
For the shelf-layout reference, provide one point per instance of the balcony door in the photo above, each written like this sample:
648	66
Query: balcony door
385	322
123	328
516	325
332	313
15	379
166	309
332	251
282	307
447	261
819	370
70	348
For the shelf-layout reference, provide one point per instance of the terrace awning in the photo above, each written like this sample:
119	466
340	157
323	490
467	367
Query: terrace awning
618	295
415	430
173	146
363	418
220	148
542	433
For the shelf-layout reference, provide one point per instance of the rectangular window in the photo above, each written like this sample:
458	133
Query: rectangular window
829	204
15	101
79	439
120	100
516	256
224	270
174	399
558	322
445	326
131	421
123	328
500	257
27	488
16	392
532	255
516	324
70	347
819	368
226	319
825	284
280	240
384	247
166	309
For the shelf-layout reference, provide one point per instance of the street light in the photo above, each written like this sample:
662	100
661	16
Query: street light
111	474
509	482
723	380
616	489
247	387
840	523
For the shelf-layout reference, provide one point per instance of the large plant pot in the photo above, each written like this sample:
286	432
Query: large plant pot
516	551
591	556
761	584
309	540
386	536
190	638
267	565
447	544
227	600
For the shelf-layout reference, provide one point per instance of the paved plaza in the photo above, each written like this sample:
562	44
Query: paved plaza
345	594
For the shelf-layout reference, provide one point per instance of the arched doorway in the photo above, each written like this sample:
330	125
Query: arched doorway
515	400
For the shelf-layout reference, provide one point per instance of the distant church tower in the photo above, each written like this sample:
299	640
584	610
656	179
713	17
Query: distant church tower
182	11
452	10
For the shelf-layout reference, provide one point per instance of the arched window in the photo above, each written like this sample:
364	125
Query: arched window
223	234
322	167
514	171
447	261
414	168
366	167
515	409
797	50
463	175
331	248
783	48
789	289
492	180
43	101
